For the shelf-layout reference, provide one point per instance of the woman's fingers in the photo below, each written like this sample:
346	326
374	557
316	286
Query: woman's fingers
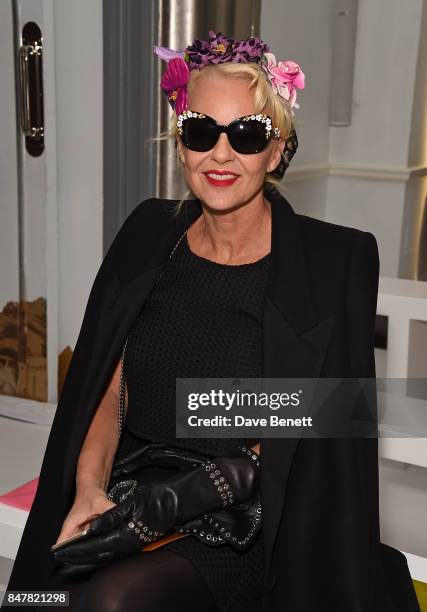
81	516
68	530
83	550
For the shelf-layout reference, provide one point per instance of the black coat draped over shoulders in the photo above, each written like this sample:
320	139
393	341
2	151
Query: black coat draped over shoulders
321	533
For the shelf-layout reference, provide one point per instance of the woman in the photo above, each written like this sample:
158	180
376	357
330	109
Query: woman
237	285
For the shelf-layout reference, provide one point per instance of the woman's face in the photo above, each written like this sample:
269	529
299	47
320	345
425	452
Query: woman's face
225	100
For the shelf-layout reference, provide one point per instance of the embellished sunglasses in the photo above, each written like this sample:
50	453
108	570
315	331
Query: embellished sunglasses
248	134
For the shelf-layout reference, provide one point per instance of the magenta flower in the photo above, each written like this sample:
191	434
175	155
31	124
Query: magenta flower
285	77
174	84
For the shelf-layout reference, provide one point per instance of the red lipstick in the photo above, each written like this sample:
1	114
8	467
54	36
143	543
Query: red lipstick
217	182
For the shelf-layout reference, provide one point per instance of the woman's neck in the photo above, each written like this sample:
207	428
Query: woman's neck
237	237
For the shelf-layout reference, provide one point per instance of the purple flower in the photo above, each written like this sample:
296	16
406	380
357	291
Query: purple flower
220	49
167	54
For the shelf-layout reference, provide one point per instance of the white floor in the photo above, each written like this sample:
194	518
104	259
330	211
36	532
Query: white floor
5	570
22	447
18	466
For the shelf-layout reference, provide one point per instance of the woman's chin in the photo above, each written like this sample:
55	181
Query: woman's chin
217	204
219	199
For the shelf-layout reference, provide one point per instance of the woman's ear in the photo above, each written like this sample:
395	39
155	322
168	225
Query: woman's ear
277	155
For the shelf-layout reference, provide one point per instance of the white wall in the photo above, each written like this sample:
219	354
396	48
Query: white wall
370	174
376	145
386	59
9	277
302	31
79	83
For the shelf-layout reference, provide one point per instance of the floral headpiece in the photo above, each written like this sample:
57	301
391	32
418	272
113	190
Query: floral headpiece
285	76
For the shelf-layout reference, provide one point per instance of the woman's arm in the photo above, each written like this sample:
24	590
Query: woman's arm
95	463
101	442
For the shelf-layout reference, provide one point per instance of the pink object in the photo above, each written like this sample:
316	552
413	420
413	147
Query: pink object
284	77
174	83
22	497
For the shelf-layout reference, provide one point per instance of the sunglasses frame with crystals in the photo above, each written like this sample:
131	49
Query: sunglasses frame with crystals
232	131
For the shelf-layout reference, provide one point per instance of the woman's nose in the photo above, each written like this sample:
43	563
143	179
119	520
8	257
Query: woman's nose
223	151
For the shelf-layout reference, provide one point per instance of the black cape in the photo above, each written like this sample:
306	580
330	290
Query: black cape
320	496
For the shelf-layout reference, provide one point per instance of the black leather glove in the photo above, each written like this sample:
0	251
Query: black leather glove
67	572
149	514
159	455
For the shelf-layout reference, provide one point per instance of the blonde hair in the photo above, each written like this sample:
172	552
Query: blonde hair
266	101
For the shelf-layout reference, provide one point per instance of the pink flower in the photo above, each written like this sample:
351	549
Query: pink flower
174	84
284	77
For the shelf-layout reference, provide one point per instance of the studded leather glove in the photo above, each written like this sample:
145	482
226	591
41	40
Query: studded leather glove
155	454
149	514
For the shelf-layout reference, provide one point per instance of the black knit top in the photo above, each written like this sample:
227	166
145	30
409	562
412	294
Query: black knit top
202	319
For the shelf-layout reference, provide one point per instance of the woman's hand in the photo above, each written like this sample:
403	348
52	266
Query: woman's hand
149	514
89	503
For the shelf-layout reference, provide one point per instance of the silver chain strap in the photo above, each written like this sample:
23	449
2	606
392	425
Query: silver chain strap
122	398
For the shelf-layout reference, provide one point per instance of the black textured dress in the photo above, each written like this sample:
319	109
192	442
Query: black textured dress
202	319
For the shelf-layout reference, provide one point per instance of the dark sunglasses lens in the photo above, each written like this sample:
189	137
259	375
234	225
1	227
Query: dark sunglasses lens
199	134
248	137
